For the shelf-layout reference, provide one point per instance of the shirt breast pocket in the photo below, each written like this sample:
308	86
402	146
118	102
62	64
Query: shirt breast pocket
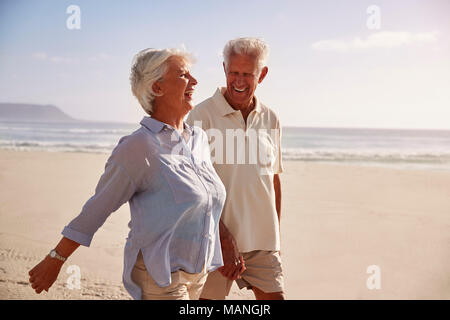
266	151
208	171
183	183
213	178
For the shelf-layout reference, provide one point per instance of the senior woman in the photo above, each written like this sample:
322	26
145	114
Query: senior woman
164	171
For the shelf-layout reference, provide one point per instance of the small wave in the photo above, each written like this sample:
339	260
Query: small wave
368	156
65	131
56	146
101	131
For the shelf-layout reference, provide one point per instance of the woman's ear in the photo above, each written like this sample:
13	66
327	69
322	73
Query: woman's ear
157	89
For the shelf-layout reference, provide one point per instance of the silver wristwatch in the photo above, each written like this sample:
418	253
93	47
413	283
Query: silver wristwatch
53	254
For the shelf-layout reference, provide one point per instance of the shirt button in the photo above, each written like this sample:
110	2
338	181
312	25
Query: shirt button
205	235
208	213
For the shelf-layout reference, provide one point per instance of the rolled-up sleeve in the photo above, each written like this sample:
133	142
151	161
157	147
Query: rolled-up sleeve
114	188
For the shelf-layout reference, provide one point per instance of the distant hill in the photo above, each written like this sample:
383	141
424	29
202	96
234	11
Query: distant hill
33	112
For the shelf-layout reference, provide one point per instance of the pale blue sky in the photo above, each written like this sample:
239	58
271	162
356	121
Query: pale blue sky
326	68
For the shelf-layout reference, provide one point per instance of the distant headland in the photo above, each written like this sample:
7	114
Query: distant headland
33	112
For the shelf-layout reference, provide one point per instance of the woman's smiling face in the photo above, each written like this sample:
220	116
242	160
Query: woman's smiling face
177	85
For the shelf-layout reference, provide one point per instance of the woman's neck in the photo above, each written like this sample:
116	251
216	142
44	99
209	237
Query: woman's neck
174	120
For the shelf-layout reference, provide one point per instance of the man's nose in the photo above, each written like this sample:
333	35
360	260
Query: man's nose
239	79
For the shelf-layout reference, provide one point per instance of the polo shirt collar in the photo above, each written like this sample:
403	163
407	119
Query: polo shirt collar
225	107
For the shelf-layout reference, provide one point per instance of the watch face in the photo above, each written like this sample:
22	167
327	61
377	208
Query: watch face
52	254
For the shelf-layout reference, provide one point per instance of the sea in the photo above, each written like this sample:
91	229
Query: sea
404	149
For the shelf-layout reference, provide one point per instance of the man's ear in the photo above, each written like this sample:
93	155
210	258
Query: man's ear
224	68
263	74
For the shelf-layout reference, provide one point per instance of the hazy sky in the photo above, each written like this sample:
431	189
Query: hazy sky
326	66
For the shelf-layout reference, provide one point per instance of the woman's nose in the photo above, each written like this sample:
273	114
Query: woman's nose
193	81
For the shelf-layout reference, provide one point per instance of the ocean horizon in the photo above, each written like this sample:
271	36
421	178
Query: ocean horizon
399	148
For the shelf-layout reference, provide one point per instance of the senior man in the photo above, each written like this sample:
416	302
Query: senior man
250	223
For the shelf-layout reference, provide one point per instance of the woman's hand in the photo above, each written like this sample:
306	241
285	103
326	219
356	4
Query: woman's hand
44	274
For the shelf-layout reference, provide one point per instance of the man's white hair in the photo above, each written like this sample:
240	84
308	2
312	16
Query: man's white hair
149	66
255	47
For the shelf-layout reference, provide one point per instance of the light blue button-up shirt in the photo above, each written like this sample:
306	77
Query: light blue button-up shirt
175	196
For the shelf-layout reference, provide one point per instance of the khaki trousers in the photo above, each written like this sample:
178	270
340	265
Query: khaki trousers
184	286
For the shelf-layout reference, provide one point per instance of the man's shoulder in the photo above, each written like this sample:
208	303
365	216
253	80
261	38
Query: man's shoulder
269	112
203	112
205	107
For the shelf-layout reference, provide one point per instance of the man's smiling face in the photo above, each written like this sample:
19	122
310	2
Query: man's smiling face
243	76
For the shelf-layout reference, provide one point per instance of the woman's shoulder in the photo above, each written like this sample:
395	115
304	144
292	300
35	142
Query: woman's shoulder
138	139
136	144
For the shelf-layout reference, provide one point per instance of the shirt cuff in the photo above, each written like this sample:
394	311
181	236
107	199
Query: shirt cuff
81	238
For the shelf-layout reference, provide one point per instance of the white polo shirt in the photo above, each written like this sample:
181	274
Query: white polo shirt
245	156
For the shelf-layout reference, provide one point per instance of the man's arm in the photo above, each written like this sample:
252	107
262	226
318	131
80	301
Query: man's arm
277	187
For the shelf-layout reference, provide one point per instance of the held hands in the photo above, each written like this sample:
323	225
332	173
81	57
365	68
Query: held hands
234	264
44	274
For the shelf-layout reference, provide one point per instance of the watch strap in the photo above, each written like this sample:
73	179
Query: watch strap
56	255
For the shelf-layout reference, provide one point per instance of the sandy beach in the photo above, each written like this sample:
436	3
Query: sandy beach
337	220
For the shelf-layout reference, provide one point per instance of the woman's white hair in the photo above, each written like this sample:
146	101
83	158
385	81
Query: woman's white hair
149	66
247	46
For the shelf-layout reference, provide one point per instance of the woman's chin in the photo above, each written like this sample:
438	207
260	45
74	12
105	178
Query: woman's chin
189	106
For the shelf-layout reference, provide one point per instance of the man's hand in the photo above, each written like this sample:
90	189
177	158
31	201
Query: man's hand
233	262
